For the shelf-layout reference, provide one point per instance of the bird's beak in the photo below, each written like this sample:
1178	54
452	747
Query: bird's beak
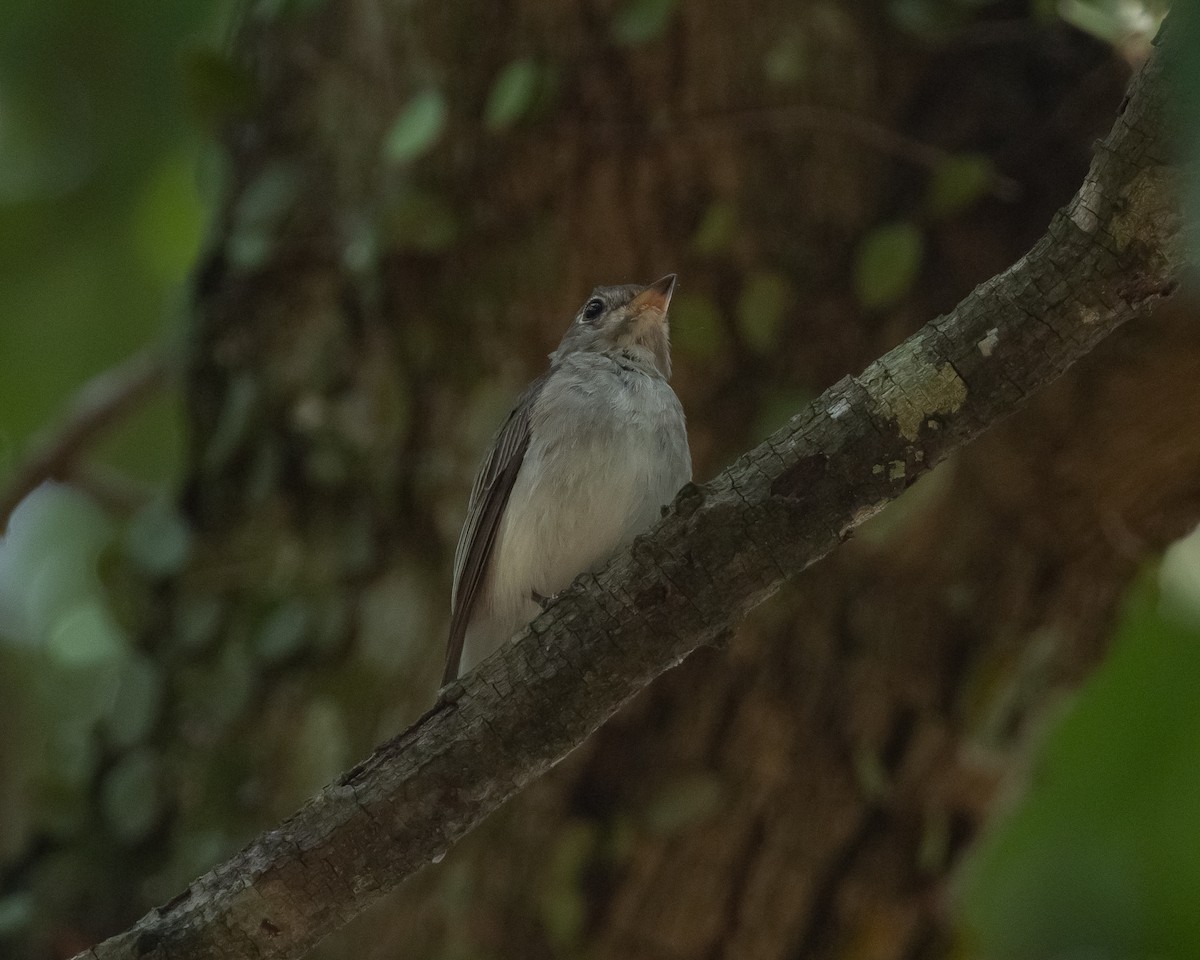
656	297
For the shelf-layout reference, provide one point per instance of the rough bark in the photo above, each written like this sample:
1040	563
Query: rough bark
722	550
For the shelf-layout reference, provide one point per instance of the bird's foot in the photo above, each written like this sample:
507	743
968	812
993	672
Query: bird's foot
540	600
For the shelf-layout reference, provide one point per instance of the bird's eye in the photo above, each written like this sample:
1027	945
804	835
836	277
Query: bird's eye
593	308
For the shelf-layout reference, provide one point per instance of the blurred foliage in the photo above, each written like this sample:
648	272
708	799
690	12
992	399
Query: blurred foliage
512	94
958	182
760	309
697	328
887	263
103	111
640	21
418	127
1126	24
99	210
65	661
1101	859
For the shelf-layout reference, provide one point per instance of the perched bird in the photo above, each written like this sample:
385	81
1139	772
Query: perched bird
595	447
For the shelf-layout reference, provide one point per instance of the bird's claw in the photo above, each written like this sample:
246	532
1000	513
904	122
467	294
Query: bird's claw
541	601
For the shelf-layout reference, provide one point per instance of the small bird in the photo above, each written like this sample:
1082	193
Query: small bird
594	449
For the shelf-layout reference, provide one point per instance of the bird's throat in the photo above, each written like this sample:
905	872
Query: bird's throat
650	333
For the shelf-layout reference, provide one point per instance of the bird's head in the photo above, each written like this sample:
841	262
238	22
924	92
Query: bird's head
629	319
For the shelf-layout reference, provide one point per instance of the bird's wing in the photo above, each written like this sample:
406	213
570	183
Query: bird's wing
489	496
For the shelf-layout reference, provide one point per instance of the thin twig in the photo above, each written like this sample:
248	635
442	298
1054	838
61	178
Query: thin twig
116	492
100	403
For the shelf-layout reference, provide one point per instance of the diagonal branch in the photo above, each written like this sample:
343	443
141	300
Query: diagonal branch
722	549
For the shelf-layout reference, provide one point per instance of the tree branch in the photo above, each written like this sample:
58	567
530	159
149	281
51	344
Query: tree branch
722	549
96	406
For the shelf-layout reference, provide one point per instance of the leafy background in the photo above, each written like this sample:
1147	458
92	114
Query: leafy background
106	174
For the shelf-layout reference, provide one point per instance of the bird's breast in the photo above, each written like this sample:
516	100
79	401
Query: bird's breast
608	448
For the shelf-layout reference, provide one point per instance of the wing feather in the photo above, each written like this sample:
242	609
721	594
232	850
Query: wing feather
489	497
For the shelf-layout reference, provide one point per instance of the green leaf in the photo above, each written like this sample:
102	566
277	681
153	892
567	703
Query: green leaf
886	264
54	538
158	539
563	914
776	408
1179	580
16	913
86	638
217	89
761	308
696	327
37	157
137	703
417	128
958	183
284	633
1102	856
717	229
422	221
131	795
684	802
927	19
168	220
1104	21
787	62
236	418
260	212
640	21
511	95
563	911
